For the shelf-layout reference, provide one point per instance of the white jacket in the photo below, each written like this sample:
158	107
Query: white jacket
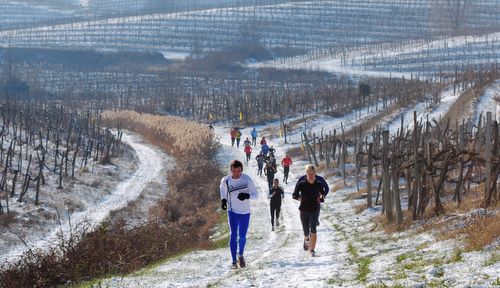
236	186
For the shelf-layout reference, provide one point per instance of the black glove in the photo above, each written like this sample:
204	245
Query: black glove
223	204
243	196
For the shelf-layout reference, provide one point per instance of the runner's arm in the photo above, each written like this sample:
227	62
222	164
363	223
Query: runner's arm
223	189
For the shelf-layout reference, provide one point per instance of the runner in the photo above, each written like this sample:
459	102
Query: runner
235	191
276	194
310	193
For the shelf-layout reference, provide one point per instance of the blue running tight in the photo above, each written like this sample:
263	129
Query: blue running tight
238	225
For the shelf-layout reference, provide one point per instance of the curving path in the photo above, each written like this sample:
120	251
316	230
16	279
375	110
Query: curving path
148	170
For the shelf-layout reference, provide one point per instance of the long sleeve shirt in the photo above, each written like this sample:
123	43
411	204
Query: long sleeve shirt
322	181
230	188
276	194
310	194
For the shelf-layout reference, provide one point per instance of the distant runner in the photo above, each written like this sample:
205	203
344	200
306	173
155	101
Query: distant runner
276	194
286	162
254	135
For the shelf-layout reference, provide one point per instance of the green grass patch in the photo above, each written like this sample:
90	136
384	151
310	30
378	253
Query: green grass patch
416	266
439	273
417	263
437	284
422	246
338	228
147	270
402	257
352	250
456	257
496	282
383	285
400	275
494	258
436	262
363	268
335	282
220	243
90	283
213	285
363	263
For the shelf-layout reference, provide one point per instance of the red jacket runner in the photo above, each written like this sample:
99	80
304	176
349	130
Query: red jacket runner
286	162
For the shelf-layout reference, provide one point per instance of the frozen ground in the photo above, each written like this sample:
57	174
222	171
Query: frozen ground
138	176
489	101
318	123
398	62
346	242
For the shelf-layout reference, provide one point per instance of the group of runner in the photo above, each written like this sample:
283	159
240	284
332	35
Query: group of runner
237	188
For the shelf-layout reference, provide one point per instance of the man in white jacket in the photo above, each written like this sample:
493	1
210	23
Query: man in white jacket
235	191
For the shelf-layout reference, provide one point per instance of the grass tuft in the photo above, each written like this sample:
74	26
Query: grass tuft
494	259
363	268
456	257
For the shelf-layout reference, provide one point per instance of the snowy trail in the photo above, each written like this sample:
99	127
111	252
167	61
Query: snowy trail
148	170
345	241
272	257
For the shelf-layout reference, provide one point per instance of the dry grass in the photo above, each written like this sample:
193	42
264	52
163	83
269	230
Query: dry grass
336	186
468	203
461	108
176	135
483	231
297	153
271	132
359	208
476	231
357	195
390	228
7	218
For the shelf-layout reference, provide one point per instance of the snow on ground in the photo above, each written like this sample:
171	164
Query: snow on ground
175	54
489	101
328	64
150	161
345	241
349	121
350	62
84	3
424	111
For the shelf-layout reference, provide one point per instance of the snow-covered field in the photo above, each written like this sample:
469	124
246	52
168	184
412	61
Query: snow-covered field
318	123
302	25
346	242
421	57
137	176
489	101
